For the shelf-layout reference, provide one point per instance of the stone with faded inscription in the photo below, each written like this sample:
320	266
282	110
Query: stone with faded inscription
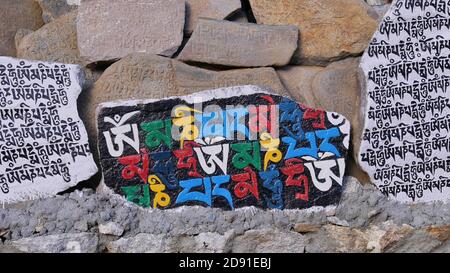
405	142
43	143
329	30
144	76
110	30
214	9
55	42
52	9
228	148
240	44
15	15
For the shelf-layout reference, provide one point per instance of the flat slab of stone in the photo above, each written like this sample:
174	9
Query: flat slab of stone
214	9
109	30
44	146
329	30
240	44
228	148
15	15
405	143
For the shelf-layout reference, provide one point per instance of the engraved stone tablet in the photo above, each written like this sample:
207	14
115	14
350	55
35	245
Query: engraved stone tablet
228	148
406	144
240	44
109	30
43	143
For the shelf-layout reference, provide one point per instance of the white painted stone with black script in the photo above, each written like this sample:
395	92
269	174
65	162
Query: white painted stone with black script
109	30
44	146
405	143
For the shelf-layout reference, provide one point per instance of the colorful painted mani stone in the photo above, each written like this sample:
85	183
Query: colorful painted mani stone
43	143
229	148
405	145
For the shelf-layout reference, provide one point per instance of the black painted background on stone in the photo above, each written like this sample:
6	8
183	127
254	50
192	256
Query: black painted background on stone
161	110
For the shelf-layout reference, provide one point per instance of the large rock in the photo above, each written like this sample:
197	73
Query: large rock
55	42
214	9
60	243
240	44
15	15
109	30
52	9
144	76
44	145
406	106
329	30
270	158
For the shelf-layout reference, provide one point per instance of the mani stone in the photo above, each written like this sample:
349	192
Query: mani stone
405	143
240	44
214	9
187	151
146	76
52	9
44	146
329	30
110	30
15	15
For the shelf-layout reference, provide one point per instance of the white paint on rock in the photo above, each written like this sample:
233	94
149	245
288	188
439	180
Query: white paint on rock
405	147
41	98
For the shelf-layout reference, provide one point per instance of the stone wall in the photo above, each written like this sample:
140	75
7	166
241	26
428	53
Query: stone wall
323	73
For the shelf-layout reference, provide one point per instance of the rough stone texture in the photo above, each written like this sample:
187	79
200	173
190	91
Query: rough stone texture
329	30
15	15
60	243
106	32
55	42
52	9
269	241
376	225
110	228
240	44
214	9
144	76
378	2
148	243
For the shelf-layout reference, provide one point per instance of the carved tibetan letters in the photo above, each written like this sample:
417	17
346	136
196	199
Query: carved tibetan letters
406	145
228	148
43	143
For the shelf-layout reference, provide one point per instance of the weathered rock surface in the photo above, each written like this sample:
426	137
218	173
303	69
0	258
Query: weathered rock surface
144	76
149	243
240	44
55	42
15	15
60	243
269	241
52	9
329	30
378	2
214	9
110	228
106	32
